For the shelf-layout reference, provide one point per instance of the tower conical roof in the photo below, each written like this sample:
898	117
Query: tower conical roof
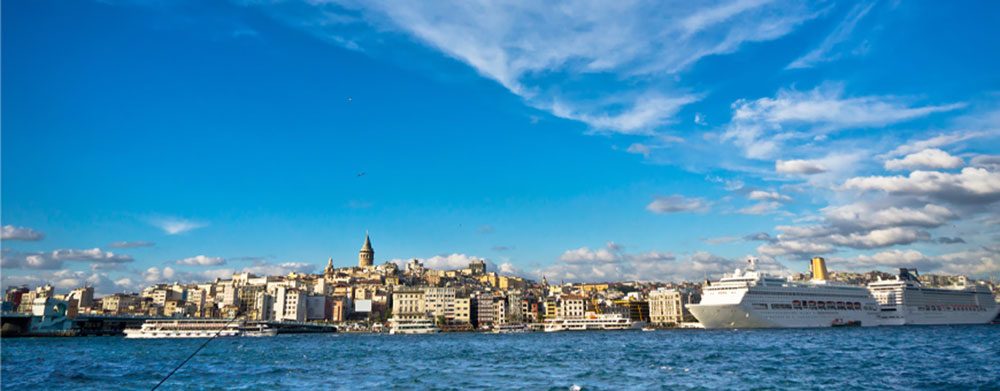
368	244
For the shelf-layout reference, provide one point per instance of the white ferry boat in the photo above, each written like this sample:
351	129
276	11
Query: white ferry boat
906	301
513	328
199	328
592	321
412	326
752	299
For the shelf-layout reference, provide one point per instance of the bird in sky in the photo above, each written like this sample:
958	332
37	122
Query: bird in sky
361	174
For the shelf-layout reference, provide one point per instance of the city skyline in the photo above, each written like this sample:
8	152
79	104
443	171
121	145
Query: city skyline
631	143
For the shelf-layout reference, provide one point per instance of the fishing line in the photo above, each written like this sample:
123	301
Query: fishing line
195	352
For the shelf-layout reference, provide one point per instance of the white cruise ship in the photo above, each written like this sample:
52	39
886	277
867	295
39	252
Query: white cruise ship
906	301
419	325
592	321
198	328
752	299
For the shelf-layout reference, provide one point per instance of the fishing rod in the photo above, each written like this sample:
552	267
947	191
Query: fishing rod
217	332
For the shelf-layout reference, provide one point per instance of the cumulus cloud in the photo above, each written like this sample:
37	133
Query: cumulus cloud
612	263
761	195
175	225
799	166
928	158
677	203
130	244
55	259
486	229
760	208
948	240
977	263
11	232
991	162
201	260
879	238
867	215
794	247
761	127
971	185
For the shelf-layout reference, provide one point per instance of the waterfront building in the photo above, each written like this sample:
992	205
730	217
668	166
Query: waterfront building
440	302
289	304
84	297
635	309
484	310
263	308
41	292
463	310
366	256
408	303
116	303
571	307
668	306
13	296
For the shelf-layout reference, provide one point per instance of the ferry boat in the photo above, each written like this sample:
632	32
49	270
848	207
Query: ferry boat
592	321
752	299
513	328
906	301
199	328
412	326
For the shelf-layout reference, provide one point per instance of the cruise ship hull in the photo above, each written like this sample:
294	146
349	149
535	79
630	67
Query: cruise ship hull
739	316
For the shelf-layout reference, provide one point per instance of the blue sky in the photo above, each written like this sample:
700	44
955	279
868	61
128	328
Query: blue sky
170	141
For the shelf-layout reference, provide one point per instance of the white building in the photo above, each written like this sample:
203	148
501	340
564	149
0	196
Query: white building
440	302
289	304
571	307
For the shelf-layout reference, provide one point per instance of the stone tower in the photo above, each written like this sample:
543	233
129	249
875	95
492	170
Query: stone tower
367	254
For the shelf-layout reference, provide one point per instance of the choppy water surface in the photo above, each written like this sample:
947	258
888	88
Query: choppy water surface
886	358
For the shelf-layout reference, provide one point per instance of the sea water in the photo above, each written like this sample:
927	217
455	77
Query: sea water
881	358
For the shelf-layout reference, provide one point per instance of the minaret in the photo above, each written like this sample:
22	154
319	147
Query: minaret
367	254
329	268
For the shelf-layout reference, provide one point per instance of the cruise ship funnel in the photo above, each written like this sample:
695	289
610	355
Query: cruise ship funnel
818	269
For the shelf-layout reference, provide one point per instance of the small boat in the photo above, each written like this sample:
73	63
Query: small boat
648	328
513	328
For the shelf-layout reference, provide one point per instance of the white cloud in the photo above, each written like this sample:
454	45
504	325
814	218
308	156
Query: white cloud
486	229
548	54
611	263
982	262
934	142
840	34
54	259
677	203
879	238
806	167
763	126
990	162
929	158
971	185
794	247
761	195
866	215
760	208
201	260
11	232
639	149
174	225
